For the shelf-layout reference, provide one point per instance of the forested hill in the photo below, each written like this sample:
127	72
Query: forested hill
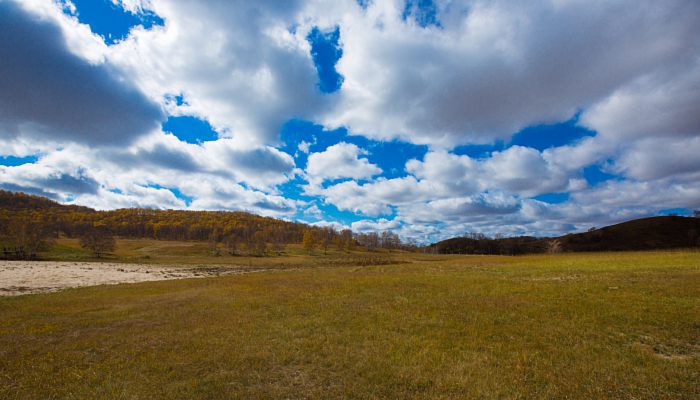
17	201
72	221
666	232
23	215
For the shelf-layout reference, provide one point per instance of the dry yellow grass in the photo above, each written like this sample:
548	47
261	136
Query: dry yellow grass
577	326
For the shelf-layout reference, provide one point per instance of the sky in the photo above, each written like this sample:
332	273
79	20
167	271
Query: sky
430	118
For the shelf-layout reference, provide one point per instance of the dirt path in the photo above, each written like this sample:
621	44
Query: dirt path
24	277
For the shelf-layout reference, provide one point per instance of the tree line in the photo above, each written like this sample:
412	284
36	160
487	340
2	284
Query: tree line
29	224
478	243
659	232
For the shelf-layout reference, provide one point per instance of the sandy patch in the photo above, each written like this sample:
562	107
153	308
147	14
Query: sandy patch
24	277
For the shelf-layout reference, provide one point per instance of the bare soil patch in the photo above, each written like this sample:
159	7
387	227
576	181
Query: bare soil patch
25	277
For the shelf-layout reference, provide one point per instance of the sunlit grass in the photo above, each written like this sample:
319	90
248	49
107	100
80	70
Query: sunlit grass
193	252
604	325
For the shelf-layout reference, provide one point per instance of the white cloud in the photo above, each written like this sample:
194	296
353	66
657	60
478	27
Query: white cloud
335	225
381	224
631	70
523	170
49	94
212	174
341	160
304	147
497	66
659	104
136	196
238	64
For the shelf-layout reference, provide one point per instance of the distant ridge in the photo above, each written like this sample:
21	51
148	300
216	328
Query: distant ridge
72	221
17	201
24	218
665	232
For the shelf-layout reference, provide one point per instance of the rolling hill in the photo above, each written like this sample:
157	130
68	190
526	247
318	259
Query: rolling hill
665	232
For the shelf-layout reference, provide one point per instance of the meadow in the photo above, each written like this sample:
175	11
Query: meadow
576	326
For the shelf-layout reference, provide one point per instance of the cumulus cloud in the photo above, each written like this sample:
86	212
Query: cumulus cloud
662	103
493	67
524	170
257	166
650	128
49	93
350	196
135	196
341	160
258	72
657	158
444	178
382	224
460	72
215	174
47	180
221	194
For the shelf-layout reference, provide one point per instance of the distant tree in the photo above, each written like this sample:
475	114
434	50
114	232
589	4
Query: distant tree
347	239
338	242
696	213
278	246
214	249
309	241
554	246
26	238
411	244
693	238
369	240
98	240
232	245
258	245
389	240
325	236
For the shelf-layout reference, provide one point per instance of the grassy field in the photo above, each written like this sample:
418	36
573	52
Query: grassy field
149	251
576	326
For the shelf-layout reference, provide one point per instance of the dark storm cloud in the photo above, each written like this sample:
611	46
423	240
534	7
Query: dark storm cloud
47	92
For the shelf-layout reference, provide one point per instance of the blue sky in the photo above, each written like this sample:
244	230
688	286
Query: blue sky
429	118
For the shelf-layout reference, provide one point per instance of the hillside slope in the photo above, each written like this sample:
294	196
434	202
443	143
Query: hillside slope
72	221
641	234
18	201
666	232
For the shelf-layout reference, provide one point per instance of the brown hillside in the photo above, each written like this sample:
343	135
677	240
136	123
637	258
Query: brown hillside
639	234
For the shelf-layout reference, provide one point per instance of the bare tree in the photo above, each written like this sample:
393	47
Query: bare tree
325	238
309	241
554	246
258	245
347	239
232	245
278	246
98	240
26	239
214	243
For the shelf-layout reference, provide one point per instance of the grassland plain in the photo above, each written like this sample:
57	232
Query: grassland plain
577	326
